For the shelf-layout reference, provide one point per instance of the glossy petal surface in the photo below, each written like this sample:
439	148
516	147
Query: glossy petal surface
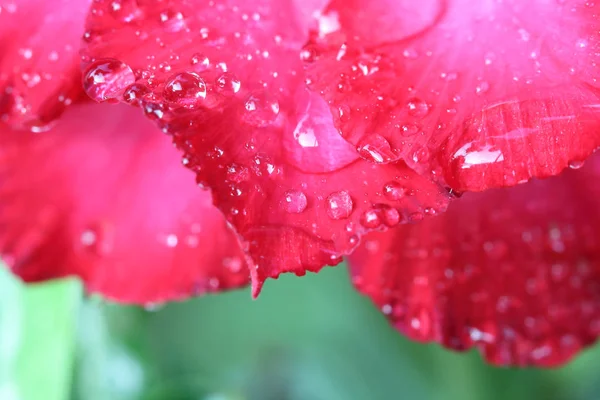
224	78
489	93
103	196
39	59
514	272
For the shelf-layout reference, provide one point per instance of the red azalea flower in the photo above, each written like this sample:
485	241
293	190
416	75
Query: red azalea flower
431	99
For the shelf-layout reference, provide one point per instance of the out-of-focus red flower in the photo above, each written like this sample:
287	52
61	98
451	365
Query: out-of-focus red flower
102	195
320	127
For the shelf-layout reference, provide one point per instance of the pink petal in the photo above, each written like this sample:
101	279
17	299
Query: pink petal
225	79
103	196
513	272
489	93
39	66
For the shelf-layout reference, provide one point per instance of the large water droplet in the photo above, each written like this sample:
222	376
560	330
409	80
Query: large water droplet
260	109
339	205
106	79
185	89
294	201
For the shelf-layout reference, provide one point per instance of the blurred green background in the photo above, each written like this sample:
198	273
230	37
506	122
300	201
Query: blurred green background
310	338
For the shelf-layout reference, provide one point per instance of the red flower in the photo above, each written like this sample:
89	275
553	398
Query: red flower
431	100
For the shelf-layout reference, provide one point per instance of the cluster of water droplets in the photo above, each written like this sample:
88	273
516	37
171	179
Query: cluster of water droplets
201	85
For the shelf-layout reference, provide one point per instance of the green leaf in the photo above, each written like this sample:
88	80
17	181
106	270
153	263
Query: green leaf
37	327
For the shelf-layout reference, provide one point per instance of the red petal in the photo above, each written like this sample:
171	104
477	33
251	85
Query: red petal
39	67
103	196
514	272
493	93
226	82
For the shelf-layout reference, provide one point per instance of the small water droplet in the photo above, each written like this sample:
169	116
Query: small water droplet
576	164
394	191
260	109
370	219
228	84
377	149
417	108
134	93
200	62
309	53
482	87
378	215
408	130
186	89
339	205
123	10
172	21
106	79
294	201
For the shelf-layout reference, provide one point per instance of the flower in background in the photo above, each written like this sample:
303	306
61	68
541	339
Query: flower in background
428	142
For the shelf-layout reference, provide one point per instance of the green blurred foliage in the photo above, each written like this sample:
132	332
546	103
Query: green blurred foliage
310	338
37	327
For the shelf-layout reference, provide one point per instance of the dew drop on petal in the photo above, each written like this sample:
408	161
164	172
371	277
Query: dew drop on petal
260	109
200	61
377	149
339	205
417	108
186	89
576	164
106	79
228	84
370	219
394	191
134	93
294	201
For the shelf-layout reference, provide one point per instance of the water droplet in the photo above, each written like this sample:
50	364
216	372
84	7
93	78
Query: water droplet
409	130
394	191
172	21
134	93
378	215
186	89
98	240
309	53
228	84
123	10
576	164
107	79
339	205
294	201
370	219
377	149
260	109
387	309
482	87
200	62
417	108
